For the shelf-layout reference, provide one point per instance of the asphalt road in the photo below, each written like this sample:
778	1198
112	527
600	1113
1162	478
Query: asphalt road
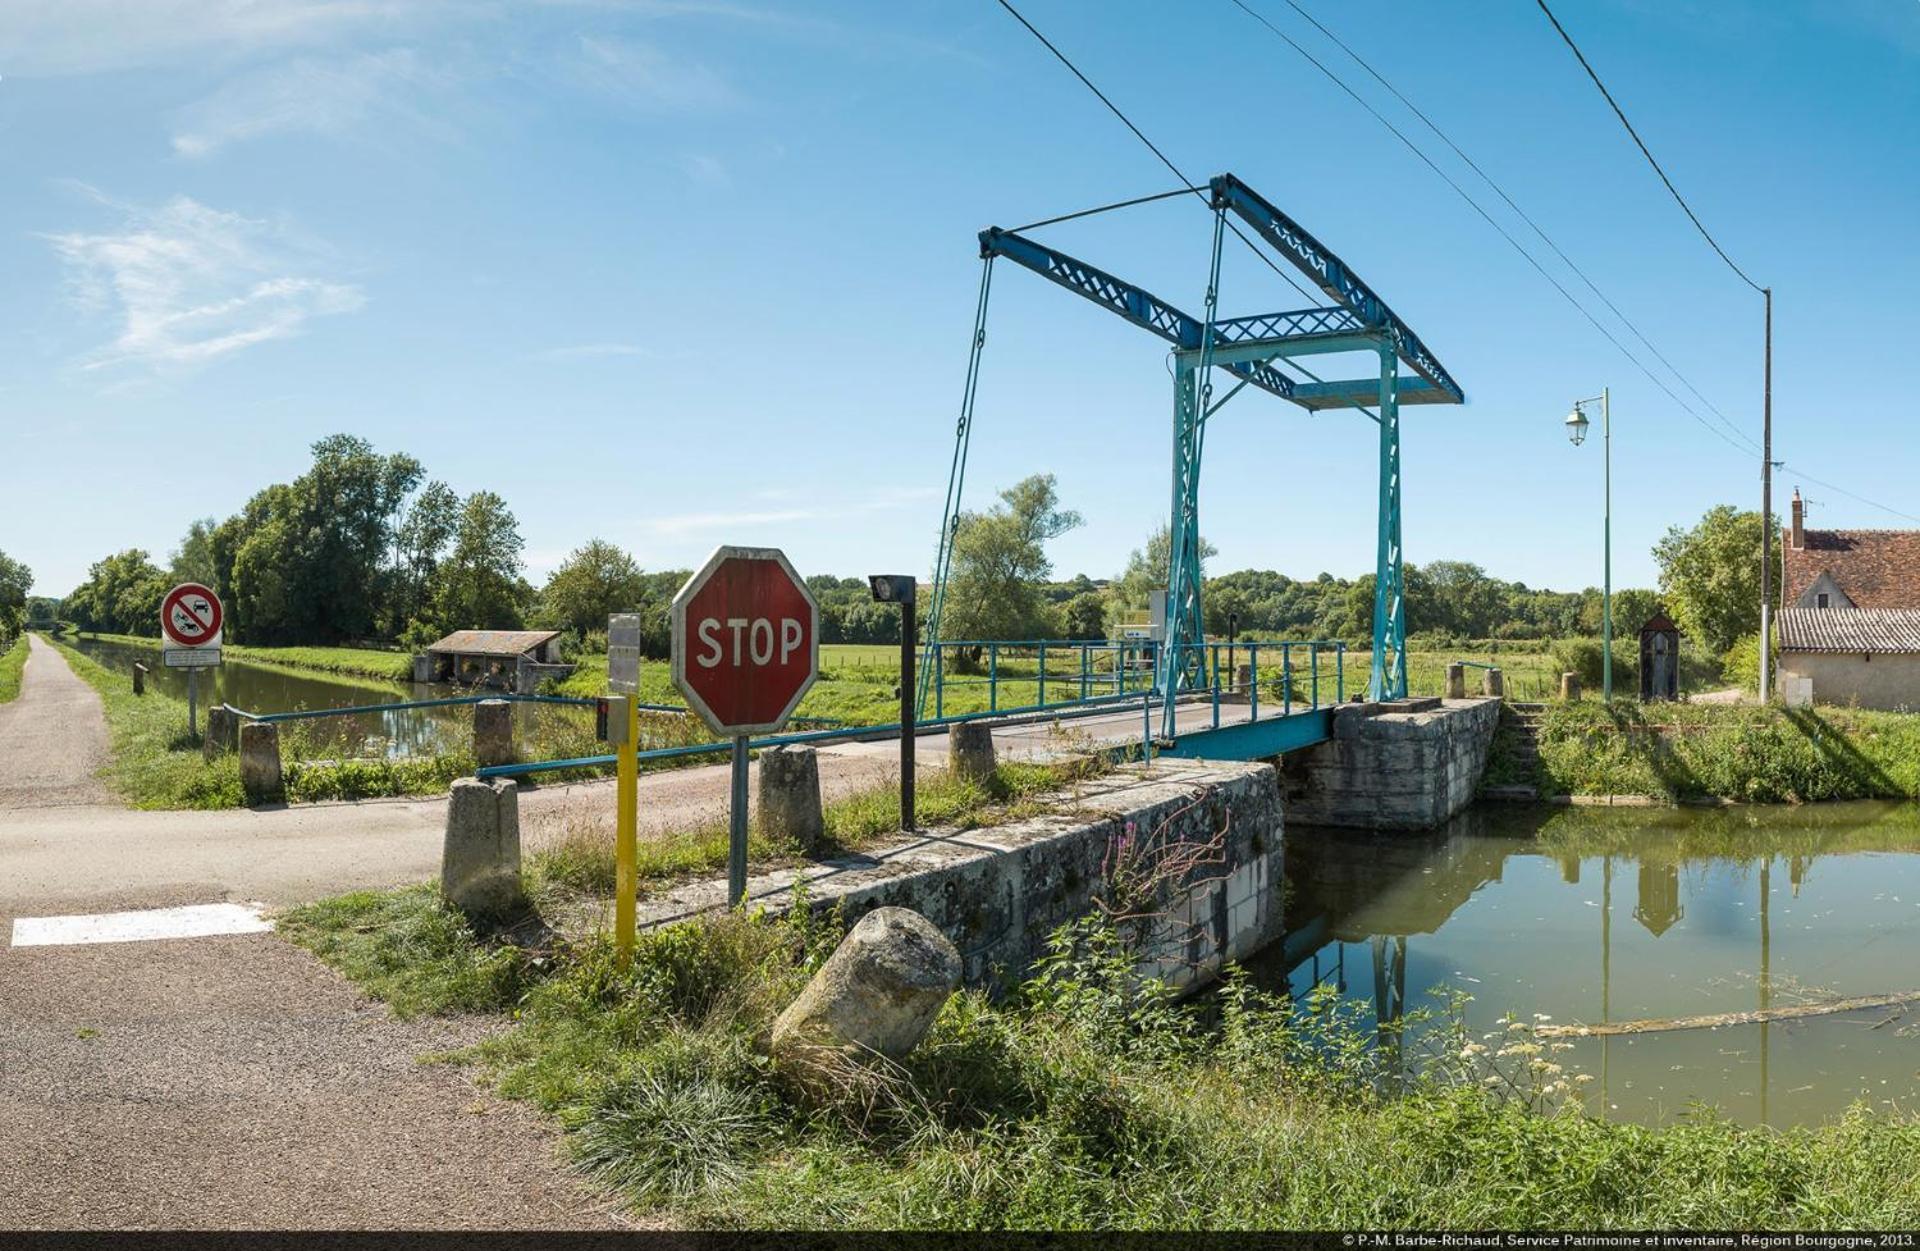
235	1081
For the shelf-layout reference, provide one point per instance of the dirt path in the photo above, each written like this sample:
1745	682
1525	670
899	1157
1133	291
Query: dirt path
53	737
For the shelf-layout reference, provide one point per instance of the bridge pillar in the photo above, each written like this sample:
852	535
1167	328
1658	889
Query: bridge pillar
1388	679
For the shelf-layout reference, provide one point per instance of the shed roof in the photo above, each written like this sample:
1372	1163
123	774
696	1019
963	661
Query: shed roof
1876	568
493	642
1880	630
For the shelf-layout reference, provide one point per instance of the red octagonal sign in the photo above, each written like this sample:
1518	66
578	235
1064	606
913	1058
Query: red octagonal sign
746	640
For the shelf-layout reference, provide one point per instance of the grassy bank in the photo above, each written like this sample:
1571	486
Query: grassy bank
362	662
1735	752
1079	1102
12	662
156	763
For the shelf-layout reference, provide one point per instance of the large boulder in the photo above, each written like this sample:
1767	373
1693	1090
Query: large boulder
878	992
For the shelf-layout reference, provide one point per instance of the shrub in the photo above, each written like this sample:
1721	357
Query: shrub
1582	656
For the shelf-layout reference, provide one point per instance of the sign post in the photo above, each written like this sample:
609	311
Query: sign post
746	646
901	589
190	620
622	726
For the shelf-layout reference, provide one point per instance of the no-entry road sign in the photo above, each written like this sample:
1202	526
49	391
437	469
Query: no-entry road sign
190	616
746	640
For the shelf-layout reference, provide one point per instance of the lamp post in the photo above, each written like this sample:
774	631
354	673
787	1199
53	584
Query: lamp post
1577	432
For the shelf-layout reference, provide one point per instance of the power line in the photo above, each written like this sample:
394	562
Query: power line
1545	238
1502	231
1151	146
1849	494
1104	208
1641	144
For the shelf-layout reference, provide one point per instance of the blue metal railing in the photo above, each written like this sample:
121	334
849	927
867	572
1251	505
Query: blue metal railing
1131	659
574	701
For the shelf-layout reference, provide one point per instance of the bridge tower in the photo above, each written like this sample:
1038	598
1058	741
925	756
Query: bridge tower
1263	351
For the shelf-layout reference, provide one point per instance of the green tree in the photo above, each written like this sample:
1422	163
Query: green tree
1710	576
1147	571
1000	561
480	587
193	560
121	595
15	581
420	540
595	581
1085	616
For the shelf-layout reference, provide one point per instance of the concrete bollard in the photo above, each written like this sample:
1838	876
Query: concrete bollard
223	732
493	732
790	797
877	994
1456	681
480	859
260	776
1569	686
1491	683
970	751
139	679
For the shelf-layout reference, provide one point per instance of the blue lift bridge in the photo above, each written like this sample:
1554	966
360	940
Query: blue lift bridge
1263	351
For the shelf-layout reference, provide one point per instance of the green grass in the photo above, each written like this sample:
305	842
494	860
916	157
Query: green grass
156	763
1081	1101
1745	753
12	662
579	860
343	661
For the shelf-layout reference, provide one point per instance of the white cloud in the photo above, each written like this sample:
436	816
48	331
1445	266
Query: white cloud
707	170
589	351
324	97
50	37
190	284
644	75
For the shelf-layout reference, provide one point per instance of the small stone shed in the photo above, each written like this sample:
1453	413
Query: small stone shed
508	660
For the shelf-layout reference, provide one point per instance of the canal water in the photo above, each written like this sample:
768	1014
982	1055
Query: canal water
264	689
1594	915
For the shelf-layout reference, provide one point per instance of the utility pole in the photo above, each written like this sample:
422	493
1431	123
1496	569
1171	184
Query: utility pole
1766	513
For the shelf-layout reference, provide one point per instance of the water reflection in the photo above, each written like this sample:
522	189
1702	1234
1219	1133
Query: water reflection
1517	908
261	688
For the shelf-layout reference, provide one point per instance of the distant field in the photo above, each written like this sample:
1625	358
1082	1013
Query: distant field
358	661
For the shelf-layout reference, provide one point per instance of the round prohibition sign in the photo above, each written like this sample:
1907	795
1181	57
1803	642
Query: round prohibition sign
190	615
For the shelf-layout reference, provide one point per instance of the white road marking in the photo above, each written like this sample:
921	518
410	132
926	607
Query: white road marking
194	921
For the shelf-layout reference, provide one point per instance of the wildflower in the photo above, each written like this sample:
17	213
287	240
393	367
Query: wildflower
1583	1078
1541	1016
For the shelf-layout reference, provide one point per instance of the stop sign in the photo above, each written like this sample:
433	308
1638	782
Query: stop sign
746	640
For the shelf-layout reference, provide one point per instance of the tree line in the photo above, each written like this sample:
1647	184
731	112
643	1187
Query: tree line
363	548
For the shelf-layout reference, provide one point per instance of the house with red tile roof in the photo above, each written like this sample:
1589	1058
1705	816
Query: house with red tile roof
1849	616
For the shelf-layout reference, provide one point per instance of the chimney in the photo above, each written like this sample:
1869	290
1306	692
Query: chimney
1799	521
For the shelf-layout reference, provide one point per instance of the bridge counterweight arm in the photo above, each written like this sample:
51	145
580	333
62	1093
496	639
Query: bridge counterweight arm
1135	304
1332	276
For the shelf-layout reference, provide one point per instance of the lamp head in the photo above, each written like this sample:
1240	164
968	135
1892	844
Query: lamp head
1577	426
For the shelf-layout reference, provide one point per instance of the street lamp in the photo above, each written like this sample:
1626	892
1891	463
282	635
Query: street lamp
1577	434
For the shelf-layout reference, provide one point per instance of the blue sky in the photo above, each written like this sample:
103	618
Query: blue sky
677	273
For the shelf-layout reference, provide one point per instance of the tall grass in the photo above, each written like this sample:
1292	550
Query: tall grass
12	662
1750	754
1084	1101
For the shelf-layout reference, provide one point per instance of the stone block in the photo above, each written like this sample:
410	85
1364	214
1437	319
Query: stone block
1493	683
790	798
1456	681
260	775
970	751
223	732
493	732
877	994
1569	686
480	858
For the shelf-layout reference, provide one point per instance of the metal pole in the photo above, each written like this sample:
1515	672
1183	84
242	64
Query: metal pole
626	876
193	699
737	827
1766	514
908	646
1606	593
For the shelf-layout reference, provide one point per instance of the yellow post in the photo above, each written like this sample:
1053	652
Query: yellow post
626	849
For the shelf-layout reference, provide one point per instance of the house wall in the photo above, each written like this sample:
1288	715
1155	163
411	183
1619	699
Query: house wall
1888	680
